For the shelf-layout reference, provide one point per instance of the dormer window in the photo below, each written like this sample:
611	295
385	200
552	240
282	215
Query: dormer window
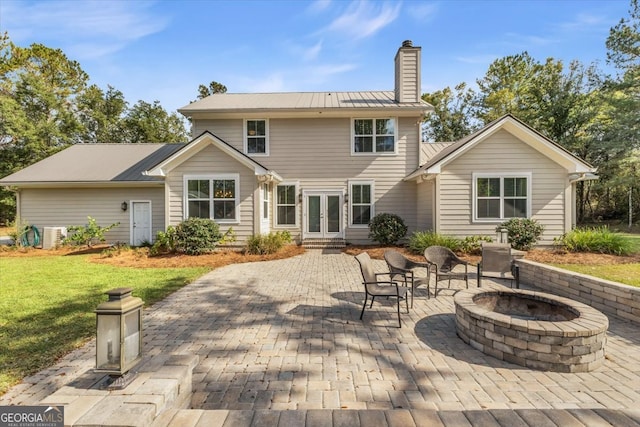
374	136
256	137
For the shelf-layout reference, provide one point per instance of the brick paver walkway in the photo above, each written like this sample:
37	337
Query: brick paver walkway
284	336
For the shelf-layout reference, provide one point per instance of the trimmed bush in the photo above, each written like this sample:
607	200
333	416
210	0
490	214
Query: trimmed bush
598	240
523	232
387	228
264	244
473	244
421	240
196	236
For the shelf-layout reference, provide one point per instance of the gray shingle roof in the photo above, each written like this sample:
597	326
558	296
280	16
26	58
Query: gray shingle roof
95	163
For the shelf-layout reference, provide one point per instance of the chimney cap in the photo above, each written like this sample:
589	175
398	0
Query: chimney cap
407	43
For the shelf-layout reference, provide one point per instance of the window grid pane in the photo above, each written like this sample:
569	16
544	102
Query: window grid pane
361	204
508	192
286	204
374	135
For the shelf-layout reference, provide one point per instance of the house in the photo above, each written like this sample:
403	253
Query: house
319	165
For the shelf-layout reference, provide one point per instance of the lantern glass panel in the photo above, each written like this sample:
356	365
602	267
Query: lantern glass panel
108	351
131	336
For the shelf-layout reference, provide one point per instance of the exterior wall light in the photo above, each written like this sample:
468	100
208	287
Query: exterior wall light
119	337
502	235
124	206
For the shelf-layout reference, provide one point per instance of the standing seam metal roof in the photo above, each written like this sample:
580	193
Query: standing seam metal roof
96	163
300	101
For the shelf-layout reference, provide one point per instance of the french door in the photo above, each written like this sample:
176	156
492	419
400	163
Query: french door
323	214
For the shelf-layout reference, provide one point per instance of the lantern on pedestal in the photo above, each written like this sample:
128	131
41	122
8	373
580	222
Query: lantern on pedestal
119	336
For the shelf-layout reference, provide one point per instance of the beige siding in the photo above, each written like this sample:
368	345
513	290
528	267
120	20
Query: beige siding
425	202
316	153
67	207
549	181
211	161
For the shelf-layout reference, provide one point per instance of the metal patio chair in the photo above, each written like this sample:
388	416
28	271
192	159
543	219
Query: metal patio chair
443	261
404	268
497	263
379	288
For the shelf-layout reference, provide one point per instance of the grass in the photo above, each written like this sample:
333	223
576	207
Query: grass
47	304
629	274
635	242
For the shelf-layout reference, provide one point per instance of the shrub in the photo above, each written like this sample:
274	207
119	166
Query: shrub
421	240
196	236
473	244
598	240
87	234
165	242
263	244
523	232
387	228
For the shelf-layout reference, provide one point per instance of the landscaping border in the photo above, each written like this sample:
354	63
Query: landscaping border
610	297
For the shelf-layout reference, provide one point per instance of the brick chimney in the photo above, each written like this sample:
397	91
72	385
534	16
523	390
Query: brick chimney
408	66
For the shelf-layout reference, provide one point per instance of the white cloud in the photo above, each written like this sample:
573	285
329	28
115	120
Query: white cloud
363	19
585	22
313	52
477	59
318	6
86	29
422	11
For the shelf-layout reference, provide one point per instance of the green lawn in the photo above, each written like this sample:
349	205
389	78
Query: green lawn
628	274
635	241
47	304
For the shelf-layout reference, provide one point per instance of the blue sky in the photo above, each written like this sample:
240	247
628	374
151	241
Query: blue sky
162	50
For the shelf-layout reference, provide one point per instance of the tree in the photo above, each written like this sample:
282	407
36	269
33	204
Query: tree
623	96
506	87
562	104
452	117
213	88
38	112
102	115
146	122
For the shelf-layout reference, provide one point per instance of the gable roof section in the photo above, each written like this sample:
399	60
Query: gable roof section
205	139
94	164
303	102
520	130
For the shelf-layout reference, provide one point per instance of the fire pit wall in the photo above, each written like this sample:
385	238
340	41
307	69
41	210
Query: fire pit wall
567	336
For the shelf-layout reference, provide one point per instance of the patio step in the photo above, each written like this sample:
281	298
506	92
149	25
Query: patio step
389	417
324	243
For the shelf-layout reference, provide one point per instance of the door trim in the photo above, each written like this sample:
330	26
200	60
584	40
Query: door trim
323	234
132	220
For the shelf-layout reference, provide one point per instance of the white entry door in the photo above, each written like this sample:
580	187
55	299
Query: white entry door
323	214
140	223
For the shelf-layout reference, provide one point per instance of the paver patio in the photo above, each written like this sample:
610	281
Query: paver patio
281	337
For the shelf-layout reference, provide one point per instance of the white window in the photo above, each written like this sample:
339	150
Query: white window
214	197
498	197
286	194
374	136
265	201
256	137
361	209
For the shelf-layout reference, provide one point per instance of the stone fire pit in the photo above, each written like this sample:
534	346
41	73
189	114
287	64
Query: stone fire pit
532	329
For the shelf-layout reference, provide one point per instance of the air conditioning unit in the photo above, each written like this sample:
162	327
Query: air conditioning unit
52	236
